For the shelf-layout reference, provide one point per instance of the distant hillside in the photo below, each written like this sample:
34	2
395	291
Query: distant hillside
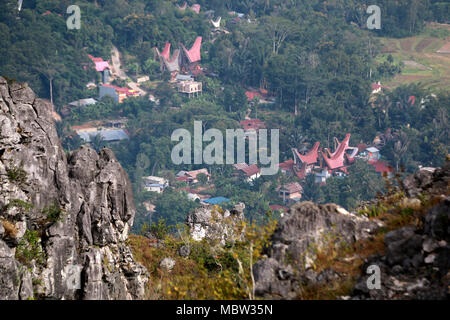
419	54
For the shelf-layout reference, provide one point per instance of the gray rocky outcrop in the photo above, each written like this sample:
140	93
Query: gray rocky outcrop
212	223
416	263
167	264
64	219
306	228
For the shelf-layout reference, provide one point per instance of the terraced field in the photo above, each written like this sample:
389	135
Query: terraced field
421	61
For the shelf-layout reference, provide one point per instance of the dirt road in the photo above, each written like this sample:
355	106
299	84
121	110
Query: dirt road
119	73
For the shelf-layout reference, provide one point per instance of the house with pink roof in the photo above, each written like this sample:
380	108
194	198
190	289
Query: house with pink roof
101	66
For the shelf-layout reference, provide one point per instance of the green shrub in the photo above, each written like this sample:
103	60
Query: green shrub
53	212
29	249
373	211
19	204
160	230
17	174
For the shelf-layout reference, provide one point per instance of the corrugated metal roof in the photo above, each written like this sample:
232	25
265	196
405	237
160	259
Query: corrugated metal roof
107	135
83	102
183	77
217	200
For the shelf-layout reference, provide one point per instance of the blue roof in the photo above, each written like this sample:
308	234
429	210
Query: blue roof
107	135
155	185
182	77
217	200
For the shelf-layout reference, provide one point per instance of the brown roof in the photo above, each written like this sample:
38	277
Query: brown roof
194	173
249	170
287	165
292	187
275	207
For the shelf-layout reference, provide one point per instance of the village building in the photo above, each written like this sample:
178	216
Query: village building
191	177
167	62
65	110
304	163
91	85
143	79
340	157
182	61
190	59
372	154
377	87
325	164
217	30
82	102
107	135
116	123
184	77
194	194
216	24
216	200
382	168
287	167
155	184
277	208
322	176
194	197
102	67
291	192
195	7
191	88
117	93
250	172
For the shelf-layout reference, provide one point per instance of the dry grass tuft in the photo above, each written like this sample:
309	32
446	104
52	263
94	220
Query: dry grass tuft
10	229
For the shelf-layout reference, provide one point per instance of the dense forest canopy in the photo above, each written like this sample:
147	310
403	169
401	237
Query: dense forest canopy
316	58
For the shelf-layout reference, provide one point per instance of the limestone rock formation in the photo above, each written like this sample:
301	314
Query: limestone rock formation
64	219
211	223
416	264
306	228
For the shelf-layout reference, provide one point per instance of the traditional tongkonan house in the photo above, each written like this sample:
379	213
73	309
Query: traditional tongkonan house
182	60
303	163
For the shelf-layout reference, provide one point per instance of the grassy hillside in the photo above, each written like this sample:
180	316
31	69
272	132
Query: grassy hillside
419	55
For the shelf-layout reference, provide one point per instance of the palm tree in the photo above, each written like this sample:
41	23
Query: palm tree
50	71
400	148
383	104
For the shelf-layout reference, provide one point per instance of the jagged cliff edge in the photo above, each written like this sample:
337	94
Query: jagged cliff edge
80	253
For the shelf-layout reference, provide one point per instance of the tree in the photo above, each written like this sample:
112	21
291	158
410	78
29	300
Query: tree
278	30
173	206
202	178
97	142
400	148
49	71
